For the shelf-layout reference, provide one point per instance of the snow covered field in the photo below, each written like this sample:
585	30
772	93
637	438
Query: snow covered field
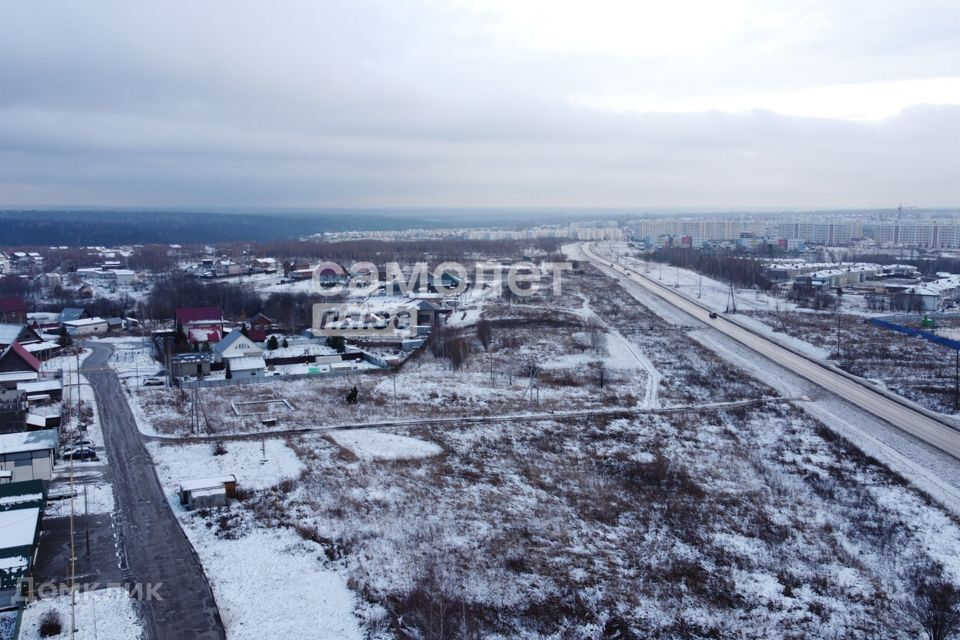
108	614
268	582
738	522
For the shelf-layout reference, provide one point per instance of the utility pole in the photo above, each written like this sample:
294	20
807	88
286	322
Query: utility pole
700	287
956	384
731	301
73	558
838	337
677	286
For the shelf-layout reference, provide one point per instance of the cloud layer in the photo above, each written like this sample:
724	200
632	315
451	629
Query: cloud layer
487	103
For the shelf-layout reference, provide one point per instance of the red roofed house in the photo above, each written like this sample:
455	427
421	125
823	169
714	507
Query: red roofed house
201	324
12	310
17	365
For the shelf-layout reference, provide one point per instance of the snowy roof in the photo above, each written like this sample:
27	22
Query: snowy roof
71	313
40	386
197	356
937	287
10	332
24	441
19	498
18	376
247	363
40	346
18	528
204	335
199	484
84	322
228	341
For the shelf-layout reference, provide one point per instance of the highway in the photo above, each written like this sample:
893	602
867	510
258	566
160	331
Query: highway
901	416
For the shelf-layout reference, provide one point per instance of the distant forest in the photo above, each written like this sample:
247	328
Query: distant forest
85	228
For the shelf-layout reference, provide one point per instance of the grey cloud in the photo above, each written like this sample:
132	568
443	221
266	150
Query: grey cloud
403	104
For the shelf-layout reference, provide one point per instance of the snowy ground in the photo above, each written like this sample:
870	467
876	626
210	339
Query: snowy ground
297	594
92	498
374	444
743	522
108	614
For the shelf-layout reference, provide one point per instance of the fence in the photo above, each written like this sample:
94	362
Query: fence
222	382
910	331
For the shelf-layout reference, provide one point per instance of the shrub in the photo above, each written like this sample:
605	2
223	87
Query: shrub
219	449
50	624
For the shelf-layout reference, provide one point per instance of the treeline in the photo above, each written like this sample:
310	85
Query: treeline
742	272
381	251
82	228
182	290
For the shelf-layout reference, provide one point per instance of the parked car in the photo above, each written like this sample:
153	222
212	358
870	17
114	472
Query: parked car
153	382
82	453
81	442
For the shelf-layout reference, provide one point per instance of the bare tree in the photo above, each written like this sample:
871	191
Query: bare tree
598	338
934	602
484	333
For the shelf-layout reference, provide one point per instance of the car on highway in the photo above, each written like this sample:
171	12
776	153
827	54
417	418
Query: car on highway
713	315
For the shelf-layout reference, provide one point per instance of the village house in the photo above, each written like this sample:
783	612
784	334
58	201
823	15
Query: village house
69	314
246	367
17	365
21	507
10	333
201	325
86	327
235	345
259	326
13	310
186	365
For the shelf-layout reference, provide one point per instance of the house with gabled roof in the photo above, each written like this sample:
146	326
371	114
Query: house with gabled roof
12	309
17	365
236	345
259	326
10	333
69	314
201	324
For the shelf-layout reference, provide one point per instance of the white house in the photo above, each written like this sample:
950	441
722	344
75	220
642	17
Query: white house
125	276
247	367
86	326
236	345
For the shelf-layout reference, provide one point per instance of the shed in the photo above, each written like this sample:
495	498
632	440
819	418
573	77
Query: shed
86	326
186	365
247	367
203	493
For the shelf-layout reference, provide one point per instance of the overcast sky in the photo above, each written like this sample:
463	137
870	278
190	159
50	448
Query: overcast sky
815	104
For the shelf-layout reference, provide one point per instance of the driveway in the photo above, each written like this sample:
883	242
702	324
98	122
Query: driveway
157	551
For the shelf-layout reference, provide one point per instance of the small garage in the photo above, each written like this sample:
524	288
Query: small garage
206	493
